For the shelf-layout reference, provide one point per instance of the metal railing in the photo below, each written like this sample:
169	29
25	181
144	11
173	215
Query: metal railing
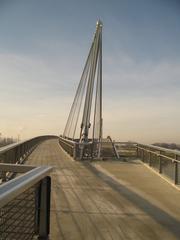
69	146
113	147
165	161
109	148
25	203
126	149
78	150
16	153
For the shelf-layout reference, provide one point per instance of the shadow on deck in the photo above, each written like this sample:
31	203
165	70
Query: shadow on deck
107	200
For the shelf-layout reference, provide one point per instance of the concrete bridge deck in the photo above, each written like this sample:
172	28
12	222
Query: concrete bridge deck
124	201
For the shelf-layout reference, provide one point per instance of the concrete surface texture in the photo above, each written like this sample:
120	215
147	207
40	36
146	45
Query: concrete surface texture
107	200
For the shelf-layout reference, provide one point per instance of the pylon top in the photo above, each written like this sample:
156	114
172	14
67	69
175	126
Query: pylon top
99	23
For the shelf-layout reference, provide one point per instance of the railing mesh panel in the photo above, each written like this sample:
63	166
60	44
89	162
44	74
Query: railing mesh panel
168	168
155	162
178	180
18	217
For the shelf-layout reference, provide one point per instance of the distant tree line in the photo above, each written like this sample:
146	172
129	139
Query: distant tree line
168	145
6	140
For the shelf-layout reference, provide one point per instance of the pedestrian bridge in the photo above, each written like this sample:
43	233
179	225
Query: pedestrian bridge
81	186
111	199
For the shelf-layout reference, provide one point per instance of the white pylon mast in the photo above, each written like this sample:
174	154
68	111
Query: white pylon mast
95	65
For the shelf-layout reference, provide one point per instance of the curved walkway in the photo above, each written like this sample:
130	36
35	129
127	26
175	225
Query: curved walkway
88	204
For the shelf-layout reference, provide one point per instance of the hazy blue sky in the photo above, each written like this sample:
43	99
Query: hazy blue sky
43	48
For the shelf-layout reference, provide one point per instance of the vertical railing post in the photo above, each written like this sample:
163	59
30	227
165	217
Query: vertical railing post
137	151
74	151
142	154
20	152
44	208
3	159
176	170
150	158
160	162
16	155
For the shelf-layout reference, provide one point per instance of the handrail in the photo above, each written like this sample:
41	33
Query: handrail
32	188
18	152
75	149
176	152
130	143
13	188
15	168
68	142
13	145
160	155
165	161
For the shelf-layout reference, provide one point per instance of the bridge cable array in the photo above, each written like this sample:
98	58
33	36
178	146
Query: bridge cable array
87	103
